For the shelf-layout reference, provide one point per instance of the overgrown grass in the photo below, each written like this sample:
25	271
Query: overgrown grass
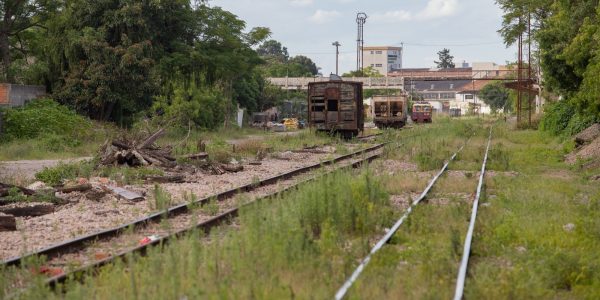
299	246
539	236
421	261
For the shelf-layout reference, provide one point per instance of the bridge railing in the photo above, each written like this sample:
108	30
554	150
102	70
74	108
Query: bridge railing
368	82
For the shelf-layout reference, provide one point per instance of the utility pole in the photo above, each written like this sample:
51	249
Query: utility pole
337	55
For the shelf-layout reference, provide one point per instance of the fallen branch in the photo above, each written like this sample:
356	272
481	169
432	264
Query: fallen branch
232	168
149	141
75	188
165	179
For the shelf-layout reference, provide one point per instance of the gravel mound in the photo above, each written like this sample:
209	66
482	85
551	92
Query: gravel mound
587	152
588	135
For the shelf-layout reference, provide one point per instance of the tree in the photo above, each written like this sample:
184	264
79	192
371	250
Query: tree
306	64
366	72
273	49
445	59
495	95
17	17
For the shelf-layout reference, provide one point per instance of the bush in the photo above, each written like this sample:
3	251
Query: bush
562	118
55	175
41	118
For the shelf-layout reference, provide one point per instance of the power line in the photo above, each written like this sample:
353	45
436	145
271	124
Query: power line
451	45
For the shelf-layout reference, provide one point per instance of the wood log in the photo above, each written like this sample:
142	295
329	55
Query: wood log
165	179
197	156
75	188
28	209
120	145
151	159
6	187
217	170
150	140
232	168
7	223
140	158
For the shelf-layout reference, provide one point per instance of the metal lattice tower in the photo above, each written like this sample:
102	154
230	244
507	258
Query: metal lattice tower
361	19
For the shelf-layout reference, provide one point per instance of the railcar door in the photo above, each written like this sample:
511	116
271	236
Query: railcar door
332	99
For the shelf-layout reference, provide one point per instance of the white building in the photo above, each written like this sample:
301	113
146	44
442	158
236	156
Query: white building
383	59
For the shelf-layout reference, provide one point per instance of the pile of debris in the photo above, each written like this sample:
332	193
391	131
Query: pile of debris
38	199
138	153
587	147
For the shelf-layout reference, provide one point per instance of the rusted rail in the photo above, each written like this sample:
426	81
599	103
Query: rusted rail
81	242
205	226
462	271
341	293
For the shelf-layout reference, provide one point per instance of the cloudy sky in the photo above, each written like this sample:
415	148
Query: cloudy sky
308	27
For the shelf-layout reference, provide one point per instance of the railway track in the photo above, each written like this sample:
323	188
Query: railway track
183	218
462	271
341	293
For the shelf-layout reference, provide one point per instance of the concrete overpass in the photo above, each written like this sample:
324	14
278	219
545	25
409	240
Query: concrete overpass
369	83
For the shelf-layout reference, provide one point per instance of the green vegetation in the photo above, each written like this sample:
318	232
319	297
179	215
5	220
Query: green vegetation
497	97
536	237
44	118
445	59
276	252
567	34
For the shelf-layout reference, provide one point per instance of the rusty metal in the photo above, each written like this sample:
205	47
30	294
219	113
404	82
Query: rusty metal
81	242
390	111
336	107
341	293
462	271
225	217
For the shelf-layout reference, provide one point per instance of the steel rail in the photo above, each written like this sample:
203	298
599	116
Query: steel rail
54	282
346	286
462	271
80	242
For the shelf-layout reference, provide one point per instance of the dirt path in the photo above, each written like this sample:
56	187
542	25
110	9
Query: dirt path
26	169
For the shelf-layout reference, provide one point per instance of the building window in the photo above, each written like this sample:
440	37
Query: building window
378	52
451	85
372	65
469	97
378	65
447	96
432	86
372	52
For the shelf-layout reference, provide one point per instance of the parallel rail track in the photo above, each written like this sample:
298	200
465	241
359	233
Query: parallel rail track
341	293
81	243
206	226
460	283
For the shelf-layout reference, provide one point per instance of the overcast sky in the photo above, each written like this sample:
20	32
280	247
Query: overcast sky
308	27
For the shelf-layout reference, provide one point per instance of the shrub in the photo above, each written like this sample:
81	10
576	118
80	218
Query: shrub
44	117
55	175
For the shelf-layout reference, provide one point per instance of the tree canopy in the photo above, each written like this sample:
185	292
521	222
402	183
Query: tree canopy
366	72
279	64
566	34
496	96
445	59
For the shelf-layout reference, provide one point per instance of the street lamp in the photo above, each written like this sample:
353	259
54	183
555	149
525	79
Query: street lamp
337	55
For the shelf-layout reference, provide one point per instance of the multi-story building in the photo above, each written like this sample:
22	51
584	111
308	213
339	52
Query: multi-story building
383	59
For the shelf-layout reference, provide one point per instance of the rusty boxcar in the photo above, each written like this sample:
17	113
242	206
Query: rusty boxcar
336	106
421	112
390	111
